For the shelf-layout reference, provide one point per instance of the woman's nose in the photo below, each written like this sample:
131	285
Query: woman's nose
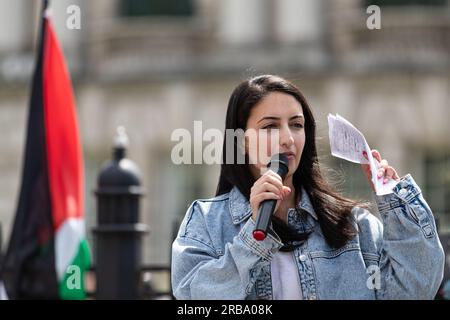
286	138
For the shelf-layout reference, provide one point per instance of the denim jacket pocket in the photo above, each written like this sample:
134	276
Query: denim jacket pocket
335	253
350	282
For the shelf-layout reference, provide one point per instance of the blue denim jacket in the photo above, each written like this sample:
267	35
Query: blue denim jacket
215	256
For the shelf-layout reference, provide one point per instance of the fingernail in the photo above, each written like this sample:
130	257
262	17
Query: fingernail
385	181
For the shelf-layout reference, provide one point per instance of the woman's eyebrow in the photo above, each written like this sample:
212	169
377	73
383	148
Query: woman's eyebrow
278	118
299	116
268	118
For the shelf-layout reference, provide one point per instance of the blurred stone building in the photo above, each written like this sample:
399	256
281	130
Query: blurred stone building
158	65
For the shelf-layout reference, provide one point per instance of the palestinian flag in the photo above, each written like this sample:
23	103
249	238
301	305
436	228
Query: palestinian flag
48	253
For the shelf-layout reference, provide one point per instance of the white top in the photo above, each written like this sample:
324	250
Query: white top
285	278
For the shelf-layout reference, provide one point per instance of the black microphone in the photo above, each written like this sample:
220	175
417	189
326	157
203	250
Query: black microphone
279	164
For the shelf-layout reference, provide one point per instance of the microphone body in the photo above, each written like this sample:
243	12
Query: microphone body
279	163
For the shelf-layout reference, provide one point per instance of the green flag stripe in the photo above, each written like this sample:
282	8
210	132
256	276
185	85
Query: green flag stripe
72	285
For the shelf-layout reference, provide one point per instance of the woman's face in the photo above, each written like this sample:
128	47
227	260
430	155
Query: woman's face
275	125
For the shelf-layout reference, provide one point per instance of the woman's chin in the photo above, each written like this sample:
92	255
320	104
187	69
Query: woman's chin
292	166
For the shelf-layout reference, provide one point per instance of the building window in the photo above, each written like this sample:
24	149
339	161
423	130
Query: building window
437	189
137	8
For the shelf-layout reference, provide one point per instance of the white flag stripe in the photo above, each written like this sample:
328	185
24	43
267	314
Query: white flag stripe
68	239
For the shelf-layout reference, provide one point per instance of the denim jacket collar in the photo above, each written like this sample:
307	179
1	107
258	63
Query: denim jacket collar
305	204
240	208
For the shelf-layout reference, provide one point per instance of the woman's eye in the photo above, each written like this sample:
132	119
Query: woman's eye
298	125
269	126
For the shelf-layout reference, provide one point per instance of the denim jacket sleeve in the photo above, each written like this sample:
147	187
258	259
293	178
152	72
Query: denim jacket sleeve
412	257
201	271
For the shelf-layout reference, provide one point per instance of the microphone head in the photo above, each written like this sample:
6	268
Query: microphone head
279	163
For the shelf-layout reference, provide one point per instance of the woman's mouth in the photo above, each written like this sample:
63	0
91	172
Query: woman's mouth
289	155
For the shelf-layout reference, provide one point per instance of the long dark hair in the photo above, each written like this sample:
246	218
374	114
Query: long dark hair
332	209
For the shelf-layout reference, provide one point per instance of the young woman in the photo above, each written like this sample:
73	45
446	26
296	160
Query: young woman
320	245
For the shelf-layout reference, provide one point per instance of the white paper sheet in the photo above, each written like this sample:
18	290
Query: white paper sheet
348	143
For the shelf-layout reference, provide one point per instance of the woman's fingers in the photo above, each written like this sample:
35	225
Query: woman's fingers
272	180
286	190
260	197
382	163
376	154
268	186
390	174
396	177
382	168
385	171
